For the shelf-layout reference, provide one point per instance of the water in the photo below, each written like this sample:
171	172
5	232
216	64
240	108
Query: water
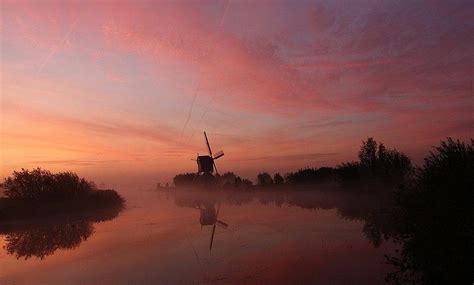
270	238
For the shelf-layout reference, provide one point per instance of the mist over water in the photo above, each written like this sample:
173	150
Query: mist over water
161	237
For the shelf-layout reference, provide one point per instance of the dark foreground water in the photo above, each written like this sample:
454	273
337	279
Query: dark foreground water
165	238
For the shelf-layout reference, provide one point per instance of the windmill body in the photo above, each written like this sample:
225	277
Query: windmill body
205	164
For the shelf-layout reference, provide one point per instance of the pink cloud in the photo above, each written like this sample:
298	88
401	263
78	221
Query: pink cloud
398	71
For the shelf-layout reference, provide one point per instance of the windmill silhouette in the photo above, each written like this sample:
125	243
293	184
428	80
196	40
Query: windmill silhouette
206	163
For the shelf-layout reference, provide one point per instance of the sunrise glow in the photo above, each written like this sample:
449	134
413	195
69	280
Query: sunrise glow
124	90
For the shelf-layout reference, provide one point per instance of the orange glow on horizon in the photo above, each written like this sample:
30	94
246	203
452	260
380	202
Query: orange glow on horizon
105	90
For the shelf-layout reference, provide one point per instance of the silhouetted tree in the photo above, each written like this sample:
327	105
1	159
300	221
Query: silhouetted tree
377	160
392	164
377	163
278	179
435	228
264	179
368	153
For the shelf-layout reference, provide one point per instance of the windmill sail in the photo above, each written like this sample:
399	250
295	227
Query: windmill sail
218	154
212	236
222	224
207	143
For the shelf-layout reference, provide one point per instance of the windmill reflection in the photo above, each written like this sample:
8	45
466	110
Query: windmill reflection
44	237
208	204
208	217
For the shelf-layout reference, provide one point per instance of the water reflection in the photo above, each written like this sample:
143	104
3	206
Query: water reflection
43	237
160	241
268	228
376	211
429	248
209	208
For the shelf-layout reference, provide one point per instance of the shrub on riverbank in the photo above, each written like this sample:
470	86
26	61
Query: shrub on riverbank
42	184
41	192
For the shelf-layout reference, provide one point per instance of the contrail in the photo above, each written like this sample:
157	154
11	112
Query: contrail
54	49
225	14
221	22
191	108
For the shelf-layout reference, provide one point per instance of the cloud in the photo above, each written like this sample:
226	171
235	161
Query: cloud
279	77
100	127
289	157
323	124
71	162
370	50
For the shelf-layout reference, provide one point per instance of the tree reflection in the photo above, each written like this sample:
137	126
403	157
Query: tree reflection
44	237
43	241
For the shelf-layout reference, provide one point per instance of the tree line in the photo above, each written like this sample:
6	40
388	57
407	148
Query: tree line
376	163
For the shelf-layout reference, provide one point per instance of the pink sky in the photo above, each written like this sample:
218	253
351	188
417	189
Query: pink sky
123	90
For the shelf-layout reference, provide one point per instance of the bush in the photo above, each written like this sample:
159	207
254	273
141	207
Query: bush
39	183
310	176
349	172
435	219
106	198
229	179
247	183
185	179
278	179
264	179
40	193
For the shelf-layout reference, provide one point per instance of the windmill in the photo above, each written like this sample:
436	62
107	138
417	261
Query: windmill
206	163
209	218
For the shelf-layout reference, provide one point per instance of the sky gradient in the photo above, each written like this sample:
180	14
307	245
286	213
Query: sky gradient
123	90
